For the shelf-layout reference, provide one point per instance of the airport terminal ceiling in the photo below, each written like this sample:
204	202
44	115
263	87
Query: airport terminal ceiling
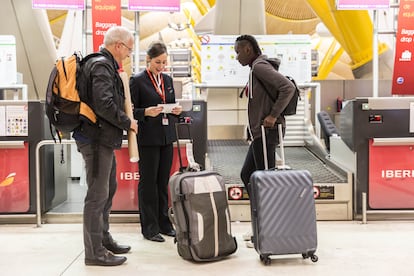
282	17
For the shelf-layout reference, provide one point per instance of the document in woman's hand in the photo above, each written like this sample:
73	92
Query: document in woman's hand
167	108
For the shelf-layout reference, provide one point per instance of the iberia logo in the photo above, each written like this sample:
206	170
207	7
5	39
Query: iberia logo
8	180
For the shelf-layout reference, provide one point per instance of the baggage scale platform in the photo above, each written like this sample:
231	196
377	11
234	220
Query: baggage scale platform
332	185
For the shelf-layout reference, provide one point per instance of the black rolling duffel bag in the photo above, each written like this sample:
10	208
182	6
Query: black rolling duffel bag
200	215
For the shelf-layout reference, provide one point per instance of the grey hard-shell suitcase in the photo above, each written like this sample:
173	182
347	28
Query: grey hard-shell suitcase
283	213
201	216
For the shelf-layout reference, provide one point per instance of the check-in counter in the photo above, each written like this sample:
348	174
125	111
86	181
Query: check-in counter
22	125
381	133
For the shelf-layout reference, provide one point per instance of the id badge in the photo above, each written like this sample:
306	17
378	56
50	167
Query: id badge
165	121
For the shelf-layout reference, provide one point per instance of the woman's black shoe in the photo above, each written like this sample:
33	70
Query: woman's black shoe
156	238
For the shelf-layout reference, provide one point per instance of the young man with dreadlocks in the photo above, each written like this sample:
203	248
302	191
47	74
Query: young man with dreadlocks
264	80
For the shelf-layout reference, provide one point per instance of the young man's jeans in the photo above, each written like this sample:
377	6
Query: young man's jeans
255	160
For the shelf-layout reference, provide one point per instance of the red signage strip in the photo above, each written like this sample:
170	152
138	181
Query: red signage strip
105	14
402	80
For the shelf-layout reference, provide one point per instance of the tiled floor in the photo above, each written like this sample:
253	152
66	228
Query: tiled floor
344	248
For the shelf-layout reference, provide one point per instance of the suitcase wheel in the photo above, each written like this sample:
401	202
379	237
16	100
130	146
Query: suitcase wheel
265	259
312	256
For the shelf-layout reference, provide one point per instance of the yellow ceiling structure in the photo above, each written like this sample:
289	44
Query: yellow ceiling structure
297	10
293	16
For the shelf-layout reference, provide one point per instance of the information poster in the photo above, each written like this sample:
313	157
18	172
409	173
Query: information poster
16	120
8	66
220	67
402	80
154	5
2	120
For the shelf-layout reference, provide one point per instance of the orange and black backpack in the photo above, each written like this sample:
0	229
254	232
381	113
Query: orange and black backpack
67	94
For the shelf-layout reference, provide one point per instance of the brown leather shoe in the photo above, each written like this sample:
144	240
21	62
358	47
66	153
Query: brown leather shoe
109	259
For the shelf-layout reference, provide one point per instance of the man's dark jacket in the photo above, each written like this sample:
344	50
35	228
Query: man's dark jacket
106	98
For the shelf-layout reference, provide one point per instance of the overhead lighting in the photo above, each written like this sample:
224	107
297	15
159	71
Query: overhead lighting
179	27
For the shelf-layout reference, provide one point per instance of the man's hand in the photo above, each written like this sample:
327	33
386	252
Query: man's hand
134	126
269	121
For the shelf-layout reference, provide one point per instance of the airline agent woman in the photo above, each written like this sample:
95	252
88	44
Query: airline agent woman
156	134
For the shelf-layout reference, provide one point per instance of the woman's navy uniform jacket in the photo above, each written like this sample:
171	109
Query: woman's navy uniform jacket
151	131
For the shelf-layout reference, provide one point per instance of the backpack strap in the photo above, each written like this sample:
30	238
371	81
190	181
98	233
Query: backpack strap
57	133
267	92
94	57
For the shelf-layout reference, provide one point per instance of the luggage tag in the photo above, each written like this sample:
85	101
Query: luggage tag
165	120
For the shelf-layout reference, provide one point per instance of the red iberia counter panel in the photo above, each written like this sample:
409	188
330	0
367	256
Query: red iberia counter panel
391	176
126	196
14	179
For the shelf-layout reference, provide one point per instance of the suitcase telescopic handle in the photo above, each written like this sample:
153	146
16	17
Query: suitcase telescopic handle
281	145
177	125
266	162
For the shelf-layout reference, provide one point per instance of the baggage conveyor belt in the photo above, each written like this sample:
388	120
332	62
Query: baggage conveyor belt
333	187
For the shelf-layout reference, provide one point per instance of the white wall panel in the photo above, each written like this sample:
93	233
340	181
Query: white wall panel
35	48
222	99
221	117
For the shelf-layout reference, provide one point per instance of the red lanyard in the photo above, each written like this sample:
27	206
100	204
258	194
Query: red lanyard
156	86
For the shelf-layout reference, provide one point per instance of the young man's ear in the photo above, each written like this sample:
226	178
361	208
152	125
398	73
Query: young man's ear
248	49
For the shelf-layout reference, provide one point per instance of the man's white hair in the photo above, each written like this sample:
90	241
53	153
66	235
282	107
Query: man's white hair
116	34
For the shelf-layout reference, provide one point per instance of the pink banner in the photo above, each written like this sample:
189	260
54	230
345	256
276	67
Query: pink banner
59	4
154	5
362	4
402	80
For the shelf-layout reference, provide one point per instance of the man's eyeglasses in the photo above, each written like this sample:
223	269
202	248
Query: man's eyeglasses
129	49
